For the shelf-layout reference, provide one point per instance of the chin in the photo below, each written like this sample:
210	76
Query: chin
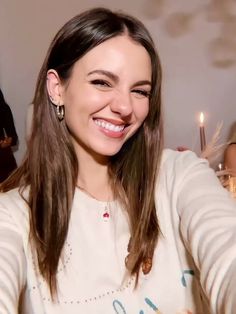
108	150
110	153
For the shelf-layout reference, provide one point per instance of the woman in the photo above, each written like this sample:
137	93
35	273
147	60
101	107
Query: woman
8	138
230	162
230	152
97	219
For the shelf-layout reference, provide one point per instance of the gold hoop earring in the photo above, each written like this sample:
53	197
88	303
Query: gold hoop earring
60	112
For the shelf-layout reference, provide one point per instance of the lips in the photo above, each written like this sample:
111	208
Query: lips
114	126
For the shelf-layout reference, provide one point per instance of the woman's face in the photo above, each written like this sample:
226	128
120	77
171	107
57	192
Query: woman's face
107	97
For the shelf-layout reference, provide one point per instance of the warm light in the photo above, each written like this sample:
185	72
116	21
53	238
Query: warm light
201	118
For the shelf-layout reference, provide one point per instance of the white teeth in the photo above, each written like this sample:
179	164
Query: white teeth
109	126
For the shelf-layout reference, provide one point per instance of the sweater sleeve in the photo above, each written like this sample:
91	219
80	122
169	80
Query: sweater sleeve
208	225
12	263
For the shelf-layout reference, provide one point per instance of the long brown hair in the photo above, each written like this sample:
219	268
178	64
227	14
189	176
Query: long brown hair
50	167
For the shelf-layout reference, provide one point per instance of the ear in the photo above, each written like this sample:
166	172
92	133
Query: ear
54	87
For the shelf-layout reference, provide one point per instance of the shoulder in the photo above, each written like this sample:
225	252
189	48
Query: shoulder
178	167
14	209
11	197
185	174
180	161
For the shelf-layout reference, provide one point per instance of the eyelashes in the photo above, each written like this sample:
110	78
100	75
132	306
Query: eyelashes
101	83
142	93
104	85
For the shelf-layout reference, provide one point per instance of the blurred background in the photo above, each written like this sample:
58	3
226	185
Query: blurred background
196	41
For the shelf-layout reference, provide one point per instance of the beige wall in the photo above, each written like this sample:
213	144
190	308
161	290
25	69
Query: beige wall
191	83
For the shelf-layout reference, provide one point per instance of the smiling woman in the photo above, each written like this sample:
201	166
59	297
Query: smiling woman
230	152
98	218
106	99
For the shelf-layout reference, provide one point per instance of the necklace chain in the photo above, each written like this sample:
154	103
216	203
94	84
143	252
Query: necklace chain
87	192
106	210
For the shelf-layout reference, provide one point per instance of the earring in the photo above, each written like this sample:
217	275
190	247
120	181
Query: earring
60	112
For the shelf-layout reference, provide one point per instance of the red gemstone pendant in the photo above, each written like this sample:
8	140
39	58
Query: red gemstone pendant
106	216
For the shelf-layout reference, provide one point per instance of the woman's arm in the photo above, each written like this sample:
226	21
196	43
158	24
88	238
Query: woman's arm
208	225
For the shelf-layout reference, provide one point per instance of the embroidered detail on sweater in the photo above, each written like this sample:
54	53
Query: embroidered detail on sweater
151	304
187	272
120	309
89	299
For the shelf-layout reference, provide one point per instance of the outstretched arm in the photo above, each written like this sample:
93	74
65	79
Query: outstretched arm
208	225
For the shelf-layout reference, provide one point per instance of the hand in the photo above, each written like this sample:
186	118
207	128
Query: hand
6	142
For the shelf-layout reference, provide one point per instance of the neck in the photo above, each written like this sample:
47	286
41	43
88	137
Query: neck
93	175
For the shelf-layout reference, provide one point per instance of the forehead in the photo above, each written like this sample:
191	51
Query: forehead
120	55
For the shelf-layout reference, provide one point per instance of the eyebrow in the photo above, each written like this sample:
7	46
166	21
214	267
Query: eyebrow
115	77
143	82
109	74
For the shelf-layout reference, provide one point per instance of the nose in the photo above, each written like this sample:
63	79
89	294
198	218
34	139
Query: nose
122	104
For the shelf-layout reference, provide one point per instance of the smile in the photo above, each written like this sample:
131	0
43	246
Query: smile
109	126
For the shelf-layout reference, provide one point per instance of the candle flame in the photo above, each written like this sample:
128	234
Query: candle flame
201	118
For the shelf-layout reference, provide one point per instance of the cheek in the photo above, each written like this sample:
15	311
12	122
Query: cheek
141	111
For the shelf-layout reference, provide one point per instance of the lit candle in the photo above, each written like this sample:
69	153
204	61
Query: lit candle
202	132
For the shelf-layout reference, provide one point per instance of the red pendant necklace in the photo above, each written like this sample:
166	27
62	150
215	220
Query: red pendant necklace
106	211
